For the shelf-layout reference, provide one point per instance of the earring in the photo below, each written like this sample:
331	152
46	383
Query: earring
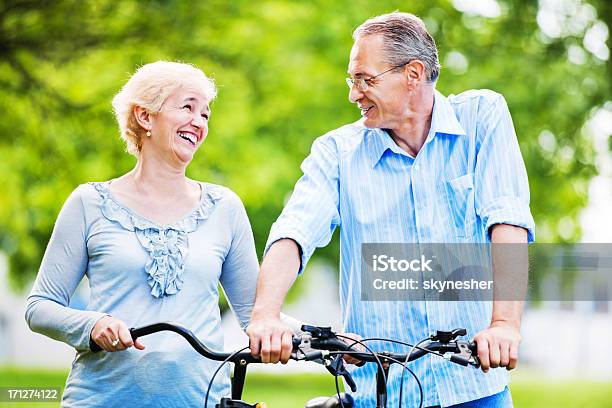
148	133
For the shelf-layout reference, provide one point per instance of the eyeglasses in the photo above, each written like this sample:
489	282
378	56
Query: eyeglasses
363	83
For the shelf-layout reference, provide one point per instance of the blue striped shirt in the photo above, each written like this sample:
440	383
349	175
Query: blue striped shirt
468	176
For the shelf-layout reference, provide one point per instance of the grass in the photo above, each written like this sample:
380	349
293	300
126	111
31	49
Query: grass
293	390
532	391
21	377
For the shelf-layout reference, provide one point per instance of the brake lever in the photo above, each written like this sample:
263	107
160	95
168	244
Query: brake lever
303	351
336	367
465	356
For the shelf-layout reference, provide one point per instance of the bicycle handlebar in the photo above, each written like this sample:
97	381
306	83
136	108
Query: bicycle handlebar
323	341
322	345
197	345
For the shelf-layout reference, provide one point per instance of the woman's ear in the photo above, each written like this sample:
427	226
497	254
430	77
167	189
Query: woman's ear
143	117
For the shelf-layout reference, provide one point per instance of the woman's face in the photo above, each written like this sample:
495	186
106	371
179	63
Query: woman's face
181	125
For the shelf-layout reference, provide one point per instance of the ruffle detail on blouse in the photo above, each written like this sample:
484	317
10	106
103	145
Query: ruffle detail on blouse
166	245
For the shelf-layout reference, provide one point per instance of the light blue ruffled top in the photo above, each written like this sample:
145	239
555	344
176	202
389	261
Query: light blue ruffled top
142	272
167	245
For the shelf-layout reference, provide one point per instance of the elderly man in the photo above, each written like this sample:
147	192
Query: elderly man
417	168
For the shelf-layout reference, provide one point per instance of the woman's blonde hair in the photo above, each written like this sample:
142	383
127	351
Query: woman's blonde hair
148	88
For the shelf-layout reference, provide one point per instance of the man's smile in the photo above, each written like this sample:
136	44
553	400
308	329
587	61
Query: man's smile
365	110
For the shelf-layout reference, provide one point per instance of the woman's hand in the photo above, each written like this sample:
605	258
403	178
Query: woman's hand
113	335
353	340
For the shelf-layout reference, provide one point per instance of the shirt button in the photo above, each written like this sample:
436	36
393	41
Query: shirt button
416	167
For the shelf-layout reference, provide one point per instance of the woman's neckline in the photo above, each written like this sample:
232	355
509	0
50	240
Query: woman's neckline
160	225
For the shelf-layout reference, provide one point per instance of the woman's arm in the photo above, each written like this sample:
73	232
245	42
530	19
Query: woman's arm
63	266
240	269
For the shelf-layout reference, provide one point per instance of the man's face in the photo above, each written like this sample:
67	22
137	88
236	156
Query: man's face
384	104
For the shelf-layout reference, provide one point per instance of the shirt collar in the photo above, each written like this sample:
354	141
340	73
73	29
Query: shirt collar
443	118
380	142
443	121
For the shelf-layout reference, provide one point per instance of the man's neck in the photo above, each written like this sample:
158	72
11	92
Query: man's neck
411	134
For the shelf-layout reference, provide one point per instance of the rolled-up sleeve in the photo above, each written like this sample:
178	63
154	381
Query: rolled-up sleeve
311	215
502	187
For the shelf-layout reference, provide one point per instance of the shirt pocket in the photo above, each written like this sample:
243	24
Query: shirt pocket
460	196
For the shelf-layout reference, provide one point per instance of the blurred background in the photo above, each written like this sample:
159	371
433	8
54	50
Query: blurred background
280	68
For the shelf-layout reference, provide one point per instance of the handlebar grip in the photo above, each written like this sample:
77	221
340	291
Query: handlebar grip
93	346
459	360
134	333
474	349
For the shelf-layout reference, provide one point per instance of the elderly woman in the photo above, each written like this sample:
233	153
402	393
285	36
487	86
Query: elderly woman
154	246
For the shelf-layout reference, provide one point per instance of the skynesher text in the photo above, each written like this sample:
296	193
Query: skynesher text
431	284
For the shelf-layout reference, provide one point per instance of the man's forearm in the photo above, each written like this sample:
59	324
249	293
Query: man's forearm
278	272
507	312
510	268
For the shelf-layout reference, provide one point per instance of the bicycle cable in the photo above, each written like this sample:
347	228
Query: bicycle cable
338	392
415	378
372	352
395	361
412	347
401	393
378	362
360	342
217	372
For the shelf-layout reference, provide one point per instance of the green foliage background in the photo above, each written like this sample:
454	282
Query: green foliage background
280	68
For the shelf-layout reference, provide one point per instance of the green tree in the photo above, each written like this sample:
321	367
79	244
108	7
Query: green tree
280	68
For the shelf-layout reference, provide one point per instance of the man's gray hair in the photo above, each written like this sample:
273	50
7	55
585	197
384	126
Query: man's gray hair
405	38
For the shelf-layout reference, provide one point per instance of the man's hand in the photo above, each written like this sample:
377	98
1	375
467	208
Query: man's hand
270	339
498	346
